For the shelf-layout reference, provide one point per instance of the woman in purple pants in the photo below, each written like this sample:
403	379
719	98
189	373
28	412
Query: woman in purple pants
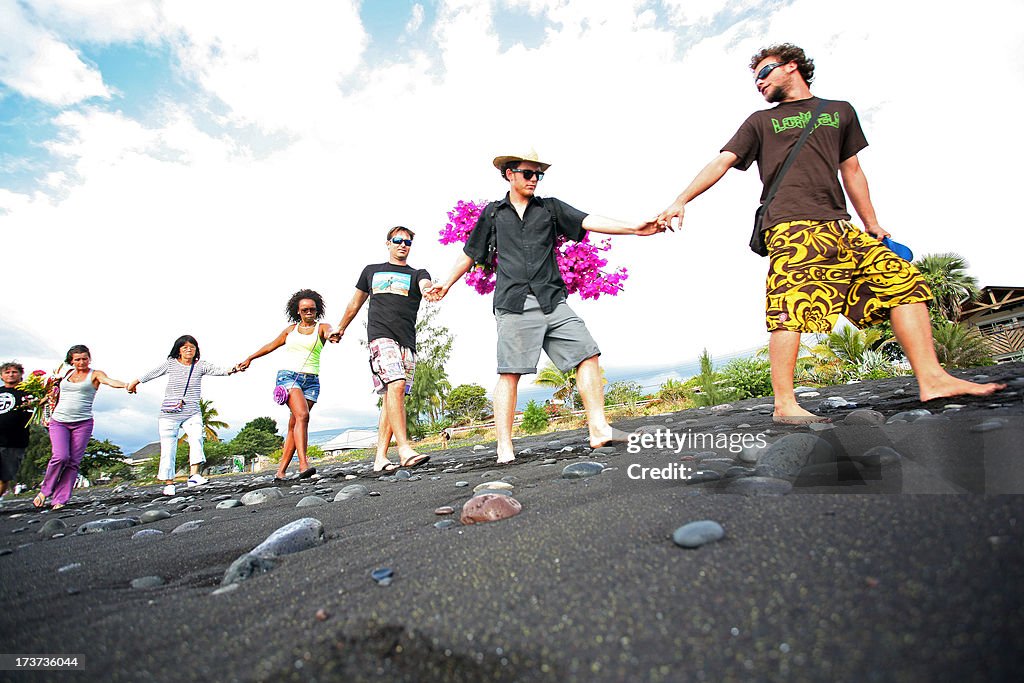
71	426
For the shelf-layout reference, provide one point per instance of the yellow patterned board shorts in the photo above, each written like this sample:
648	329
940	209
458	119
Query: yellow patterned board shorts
821	269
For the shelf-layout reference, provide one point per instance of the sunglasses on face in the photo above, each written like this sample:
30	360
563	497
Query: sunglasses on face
765	70
528	174
399	240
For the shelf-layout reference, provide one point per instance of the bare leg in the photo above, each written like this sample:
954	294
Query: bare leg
913	329
3	488
783	347
591	388
298	429
394	401
505	394
384	434
287	449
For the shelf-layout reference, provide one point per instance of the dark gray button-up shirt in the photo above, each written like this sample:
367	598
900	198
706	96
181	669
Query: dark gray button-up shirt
526	249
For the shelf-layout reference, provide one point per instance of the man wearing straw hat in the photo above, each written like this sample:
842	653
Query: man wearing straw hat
529	296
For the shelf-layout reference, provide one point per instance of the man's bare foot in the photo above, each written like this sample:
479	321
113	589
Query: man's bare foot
946	385
57	506
606	435
796	416
506	454
384	466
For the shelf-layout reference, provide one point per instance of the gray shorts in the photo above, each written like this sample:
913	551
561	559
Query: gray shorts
561	333
10	462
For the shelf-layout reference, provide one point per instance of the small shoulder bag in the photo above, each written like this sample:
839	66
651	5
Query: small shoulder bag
757	243
176	405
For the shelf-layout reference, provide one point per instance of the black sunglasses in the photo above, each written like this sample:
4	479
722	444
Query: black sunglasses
528	174
766	69
399	240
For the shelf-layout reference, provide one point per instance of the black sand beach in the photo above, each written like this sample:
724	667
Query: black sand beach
858	568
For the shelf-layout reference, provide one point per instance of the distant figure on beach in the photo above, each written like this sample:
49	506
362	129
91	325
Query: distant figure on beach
395	290
821	265
303	341
71	425
180	407
13	423
529	296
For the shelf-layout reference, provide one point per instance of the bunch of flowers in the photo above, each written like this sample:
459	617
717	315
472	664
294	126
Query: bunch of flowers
42	389
580	263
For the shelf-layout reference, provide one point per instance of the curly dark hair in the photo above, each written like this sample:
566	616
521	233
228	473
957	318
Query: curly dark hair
77	348
13	364
786	53
505	167
181	341
291	309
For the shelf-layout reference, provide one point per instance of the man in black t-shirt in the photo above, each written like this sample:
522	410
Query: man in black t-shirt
395	290
13	424
821	265
529	295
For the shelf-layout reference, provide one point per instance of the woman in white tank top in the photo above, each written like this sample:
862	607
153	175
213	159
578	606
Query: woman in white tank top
300	377
71	426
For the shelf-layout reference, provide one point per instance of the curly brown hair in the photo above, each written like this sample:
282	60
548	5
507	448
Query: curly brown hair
786	53
291	309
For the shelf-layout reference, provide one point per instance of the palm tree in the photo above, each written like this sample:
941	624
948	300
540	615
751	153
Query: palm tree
959	346
564	383
951	286
848	344
710	393
210	422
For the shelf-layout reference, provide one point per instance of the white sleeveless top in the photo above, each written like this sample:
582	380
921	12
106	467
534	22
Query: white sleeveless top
302	351
75	402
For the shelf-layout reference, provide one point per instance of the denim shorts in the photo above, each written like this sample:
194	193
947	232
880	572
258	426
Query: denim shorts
307	383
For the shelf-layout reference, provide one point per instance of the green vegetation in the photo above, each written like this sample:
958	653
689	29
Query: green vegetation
535	418
467	403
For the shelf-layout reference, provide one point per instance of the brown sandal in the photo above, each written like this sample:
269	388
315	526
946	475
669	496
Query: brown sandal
40	500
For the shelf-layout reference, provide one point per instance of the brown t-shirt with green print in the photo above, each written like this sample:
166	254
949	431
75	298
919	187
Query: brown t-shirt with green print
810	189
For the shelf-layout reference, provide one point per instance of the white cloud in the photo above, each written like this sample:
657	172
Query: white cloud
36	64
275	65
415	20
100	21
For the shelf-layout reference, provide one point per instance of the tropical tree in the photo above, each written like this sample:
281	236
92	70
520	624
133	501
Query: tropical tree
431	386
564	383
951	286
848	344
210	422
711	394
672	390
468	402
960	346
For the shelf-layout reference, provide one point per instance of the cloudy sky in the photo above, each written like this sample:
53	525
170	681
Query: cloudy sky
184	166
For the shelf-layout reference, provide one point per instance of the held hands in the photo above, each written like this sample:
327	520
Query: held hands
672	217
651	227
435	293
335	337
133	386
241	367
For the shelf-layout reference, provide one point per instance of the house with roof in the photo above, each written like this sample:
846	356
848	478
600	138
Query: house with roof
998	313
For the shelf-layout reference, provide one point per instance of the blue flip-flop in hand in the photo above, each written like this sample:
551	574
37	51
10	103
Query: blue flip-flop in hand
901	250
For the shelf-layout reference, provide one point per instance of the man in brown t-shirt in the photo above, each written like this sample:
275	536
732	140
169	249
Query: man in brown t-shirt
821	265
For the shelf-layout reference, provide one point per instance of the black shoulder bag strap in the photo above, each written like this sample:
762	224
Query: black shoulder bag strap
757	244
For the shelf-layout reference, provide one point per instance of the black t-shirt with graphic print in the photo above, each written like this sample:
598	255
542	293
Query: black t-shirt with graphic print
13	418
394	301
810	189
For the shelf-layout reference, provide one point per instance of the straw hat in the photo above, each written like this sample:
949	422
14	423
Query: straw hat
529	156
